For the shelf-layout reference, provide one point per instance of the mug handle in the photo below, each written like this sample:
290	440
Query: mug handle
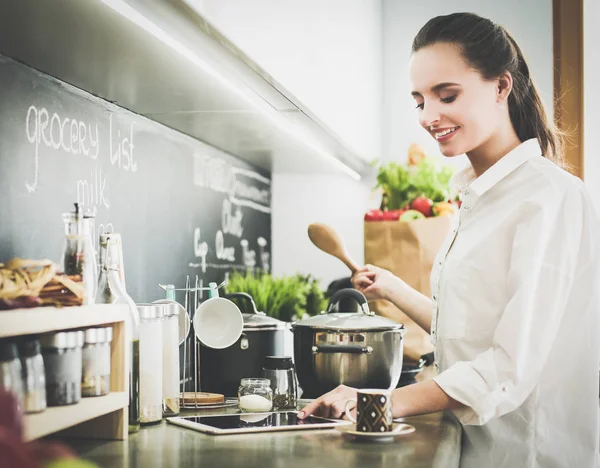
348	413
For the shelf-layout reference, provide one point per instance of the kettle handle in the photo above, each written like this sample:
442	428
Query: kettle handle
246	297
354	294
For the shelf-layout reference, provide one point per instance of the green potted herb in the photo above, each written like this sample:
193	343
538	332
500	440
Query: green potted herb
286	298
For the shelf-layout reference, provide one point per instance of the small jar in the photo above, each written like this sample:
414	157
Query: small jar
63	364
255	396
34	376
282	375
170	353
96	362
10	370
151	367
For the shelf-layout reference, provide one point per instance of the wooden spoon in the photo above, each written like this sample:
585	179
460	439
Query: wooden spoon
327	239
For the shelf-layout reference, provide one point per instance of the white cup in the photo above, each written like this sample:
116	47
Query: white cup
218	323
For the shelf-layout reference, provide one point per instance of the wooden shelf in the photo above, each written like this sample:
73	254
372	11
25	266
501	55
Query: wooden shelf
103	417
57	418
46	319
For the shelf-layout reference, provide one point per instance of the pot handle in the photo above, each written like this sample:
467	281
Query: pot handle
354	294
246	297
345	349
426	360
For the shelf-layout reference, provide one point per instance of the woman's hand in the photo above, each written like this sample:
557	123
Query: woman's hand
332	404
375	282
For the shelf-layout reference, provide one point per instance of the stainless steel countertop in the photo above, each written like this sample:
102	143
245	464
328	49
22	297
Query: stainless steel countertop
435	443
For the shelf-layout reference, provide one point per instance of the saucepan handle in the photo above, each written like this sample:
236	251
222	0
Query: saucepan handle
245	297
354	294
345	349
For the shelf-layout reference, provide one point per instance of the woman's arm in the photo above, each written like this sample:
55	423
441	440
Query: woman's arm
422	398
377	283
413	303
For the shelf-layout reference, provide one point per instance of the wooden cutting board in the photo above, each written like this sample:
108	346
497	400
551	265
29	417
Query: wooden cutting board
202	398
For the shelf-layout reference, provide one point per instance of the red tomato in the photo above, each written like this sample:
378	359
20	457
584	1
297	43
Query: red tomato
374	215
391	215
423	205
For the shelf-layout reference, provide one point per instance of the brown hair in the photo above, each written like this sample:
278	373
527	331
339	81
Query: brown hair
490	49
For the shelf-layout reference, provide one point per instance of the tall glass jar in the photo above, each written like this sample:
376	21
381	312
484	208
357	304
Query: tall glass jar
78	257
170	354
151	378
112	291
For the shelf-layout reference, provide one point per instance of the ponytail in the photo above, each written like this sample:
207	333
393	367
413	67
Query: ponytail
527	112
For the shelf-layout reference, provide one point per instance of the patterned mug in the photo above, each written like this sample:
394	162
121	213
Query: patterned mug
373	411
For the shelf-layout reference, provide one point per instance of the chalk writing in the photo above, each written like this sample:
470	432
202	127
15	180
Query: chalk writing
90	192
69	135
121	154
248	255
231	223
223	252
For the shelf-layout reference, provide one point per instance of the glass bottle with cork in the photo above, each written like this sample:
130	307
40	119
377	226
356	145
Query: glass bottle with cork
112	291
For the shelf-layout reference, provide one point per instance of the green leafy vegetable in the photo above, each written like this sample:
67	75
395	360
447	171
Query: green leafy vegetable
402	183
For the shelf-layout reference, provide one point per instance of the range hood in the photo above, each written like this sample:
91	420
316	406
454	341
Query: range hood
162	60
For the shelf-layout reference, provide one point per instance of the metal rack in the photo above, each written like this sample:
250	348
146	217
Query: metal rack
190	383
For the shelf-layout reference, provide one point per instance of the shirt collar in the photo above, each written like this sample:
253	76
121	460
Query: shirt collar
502	168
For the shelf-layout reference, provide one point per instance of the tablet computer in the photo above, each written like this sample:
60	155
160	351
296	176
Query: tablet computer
254	422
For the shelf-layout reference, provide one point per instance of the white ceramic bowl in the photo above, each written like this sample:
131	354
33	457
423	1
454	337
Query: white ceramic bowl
218	323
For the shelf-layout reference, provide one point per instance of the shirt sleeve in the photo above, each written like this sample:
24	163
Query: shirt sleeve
543	263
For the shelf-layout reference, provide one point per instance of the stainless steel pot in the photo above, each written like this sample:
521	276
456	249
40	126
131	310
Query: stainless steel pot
356	349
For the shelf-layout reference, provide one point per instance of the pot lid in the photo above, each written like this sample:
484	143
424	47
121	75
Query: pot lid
348	321
255	320
363	320
260	320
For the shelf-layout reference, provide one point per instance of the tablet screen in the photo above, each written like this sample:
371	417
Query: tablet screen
235	421
253	422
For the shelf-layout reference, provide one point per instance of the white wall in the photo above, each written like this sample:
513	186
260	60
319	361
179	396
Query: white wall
591	79
298	201
530	22
327	53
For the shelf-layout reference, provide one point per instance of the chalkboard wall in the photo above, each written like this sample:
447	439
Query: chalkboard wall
181	206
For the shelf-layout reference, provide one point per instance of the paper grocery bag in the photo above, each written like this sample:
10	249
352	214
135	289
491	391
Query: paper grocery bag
408	250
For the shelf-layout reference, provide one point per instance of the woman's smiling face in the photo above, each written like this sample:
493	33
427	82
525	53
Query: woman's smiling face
456	105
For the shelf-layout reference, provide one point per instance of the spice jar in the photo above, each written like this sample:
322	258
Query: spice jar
170	353
151	378
63	364
10	370
282	375
255	395
34	377
96	362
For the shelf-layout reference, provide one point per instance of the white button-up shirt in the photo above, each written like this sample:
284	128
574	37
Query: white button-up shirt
515	316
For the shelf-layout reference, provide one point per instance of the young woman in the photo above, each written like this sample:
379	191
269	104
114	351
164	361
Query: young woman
514	307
